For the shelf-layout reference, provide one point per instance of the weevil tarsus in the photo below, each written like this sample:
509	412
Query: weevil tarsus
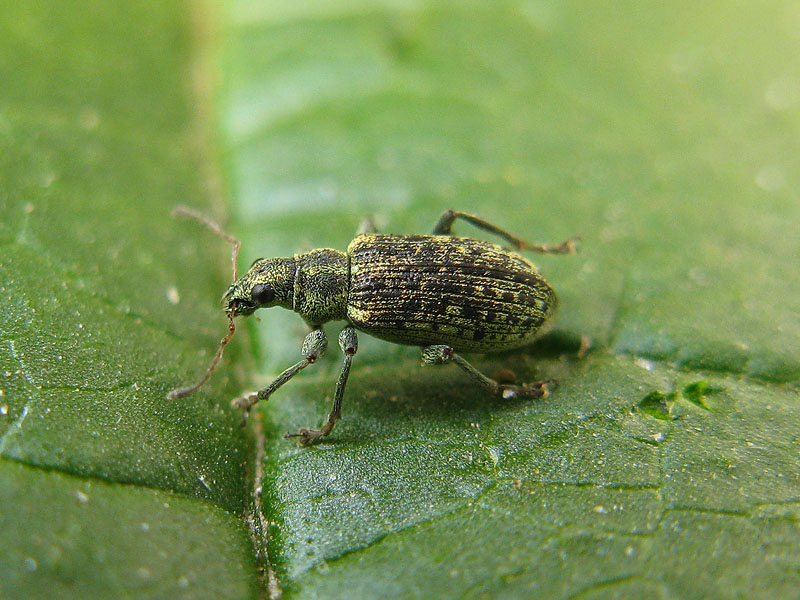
444	226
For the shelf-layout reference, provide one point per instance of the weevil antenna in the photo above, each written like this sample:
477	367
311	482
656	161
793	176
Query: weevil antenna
190	213
185	211
185	391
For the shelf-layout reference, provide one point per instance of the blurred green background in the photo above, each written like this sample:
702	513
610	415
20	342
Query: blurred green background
665	464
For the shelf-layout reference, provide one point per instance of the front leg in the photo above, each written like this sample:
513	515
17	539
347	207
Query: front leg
313	347
348	342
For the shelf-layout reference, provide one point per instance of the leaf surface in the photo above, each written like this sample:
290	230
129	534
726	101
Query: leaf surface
665	464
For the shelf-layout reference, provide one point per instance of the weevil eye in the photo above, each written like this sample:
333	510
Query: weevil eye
262	293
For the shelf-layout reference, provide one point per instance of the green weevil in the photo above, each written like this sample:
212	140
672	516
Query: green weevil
444	293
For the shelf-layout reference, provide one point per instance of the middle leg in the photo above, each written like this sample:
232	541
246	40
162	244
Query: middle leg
439	355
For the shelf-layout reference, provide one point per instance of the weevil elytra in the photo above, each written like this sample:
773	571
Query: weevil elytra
444	293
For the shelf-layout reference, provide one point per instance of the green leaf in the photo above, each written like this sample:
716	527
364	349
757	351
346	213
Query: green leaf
85	538
108	489
663	135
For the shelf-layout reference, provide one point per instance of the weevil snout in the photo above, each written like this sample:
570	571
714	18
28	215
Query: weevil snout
268	282
235	306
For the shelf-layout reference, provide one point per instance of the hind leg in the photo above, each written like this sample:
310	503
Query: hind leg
444	226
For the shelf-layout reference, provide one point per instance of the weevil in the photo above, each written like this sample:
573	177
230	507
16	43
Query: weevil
443	293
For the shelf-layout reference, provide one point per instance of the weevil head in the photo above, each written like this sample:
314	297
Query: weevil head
268	282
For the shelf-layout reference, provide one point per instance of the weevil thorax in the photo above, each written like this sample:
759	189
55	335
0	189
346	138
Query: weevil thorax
321	285
268	282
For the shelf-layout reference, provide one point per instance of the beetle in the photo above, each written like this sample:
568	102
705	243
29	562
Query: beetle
444	293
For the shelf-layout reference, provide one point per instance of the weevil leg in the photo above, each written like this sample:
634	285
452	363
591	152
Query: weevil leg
439	355
314	346
348	342
367	226
444	226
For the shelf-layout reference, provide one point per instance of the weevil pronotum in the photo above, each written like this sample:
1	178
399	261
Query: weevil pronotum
444	293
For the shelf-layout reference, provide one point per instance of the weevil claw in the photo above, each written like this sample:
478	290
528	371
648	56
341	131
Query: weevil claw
538	389
307	436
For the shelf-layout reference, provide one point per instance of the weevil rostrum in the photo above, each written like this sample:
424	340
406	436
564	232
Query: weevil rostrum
444	293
